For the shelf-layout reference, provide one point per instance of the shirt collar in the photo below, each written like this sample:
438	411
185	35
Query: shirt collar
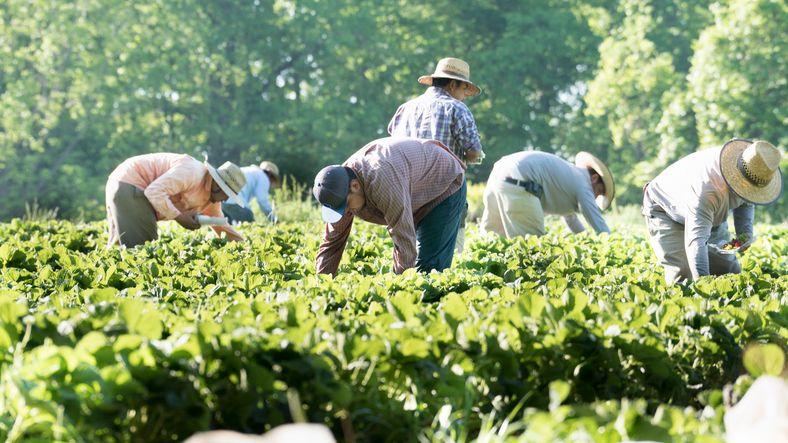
438	92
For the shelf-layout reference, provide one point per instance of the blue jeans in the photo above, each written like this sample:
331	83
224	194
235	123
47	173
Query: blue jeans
437	232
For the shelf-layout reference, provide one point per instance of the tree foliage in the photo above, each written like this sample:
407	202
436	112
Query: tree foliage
85	84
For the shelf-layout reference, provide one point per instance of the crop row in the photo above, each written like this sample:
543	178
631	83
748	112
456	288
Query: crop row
185	334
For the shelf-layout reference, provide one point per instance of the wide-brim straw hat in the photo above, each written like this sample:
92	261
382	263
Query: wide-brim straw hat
587	160
752	170
452	68
230	179
271	168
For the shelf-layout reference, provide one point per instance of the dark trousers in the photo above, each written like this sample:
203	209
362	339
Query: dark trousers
235	213
437	232
132	219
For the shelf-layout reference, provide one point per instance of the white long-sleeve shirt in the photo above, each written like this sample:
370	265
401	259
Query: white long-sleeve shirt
567	188
693	193
257	186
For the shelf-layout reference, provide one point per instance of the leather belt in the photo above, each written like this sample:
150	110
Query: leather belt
532	187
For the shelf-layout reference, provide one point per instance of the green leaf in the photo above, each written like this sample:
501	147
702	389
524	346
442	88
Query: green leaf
100	295
559	390
455	307
532	304
764	359
413	347
576	300
141	318
669	314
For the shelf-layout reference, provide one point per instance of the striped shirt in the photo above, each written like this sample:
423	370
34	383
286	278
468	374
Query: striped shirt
403	180
436	115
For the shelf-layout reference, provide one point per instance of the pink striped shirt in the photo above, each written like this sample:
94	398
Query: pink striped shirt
403	179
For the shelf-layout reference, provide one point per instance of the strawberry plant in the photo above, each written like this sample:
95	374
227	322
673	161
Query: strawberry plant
533	338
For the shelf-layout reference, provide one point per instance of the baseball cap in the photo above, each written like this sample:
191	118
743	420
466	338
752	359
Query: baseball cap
332	185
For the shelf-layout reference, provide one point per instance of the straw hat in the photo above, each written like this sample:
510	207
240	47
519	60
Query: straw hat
230	178
453	68
752	170
271	168
586	160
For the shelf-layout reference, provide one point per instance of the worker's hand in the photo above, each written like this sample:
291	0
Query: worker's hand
188	220
472	156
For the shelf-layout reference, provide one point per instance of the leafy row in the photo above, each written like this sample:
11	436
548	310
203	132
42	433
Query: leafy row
184	334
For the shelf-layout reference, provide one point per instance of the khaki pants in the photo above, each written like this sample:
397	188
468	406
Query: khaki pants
131	218
510	210
667	239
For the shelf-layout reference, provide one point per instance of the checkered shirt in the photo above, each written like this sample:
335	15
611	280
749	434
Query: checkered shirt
403	180
437	115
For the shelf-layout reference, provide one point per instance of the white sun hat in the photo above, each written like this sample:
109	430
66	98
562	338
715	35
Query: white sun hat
587	160
230	178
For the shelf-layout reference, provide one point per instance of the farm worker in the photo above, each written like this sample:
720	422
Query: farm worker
259	180
415	187
164	186
686	206
525	186
440	114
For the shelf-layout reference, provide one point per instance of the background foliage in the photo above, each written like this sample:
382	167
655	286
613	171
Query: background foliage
86	83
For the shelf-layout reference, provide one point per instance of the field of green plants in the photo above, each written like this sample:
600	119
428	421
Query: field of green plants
572	338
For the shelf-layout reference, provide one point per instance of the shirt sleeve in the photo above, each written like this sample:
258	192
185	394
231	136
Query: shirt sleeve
591	211
464	129
395	120
573	223
215	210
743	217
329	254
261	195
697	231
392	198
178	179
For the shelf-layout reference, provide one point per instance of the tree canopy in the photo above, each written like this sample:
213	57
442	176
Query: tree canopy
85	84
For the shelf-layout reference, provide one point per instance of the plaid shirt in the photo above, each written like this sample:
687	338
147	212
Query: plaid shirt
437	115
403	180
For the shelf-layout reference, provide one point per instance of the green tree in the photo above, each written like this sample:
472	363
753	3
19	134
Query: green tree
738	78
639	89
739	71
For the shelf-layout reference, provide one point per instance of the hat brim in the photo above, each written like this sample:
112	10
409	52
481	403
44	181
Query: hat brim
738	182
427	81
587	160
232	196
270	171
333	215
274	174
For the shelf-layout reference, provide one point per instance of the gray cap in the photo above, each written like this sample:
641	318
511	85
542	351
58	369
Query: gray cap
332	185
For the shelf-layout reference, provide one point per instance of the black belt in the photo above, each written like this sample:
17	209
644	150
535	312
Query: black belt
532	187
